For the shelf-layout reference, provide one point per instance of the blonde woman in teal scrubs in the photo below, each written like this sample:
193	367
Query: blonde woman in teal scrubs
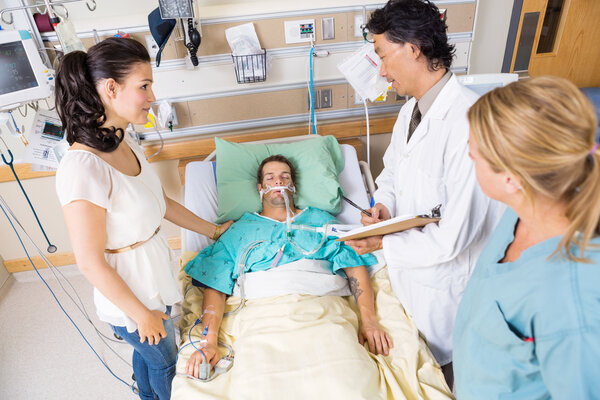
528	326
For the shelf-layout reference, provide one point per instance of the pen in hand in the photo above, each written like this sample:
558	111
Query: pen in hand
353	204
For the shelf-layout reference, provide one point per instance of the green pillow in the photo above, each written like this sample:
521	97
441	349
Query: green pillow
318	161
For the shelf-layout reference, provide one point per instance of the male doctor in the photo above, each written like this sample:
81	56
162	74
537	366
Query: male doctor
425	165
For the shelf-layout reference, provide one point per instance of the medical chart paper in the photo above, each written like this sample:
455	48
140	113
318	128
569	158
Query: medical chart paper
392	225
45	134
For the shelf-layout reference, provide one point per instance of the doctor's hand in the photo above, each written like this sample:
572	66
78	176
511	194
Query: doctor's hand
212	356
366	245
379	213
151	327
377	338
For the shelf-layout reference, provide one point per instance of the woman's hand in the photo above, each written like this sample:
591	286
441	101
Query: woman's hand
212	356
151	327
378	339
225	226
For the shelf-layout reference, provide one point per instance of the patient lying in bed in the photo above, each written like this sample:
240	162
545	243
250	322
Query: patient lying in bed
280	236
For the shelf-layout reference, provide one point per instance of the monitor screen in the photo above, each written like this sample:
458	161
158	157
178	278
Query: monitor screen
15	70
52	131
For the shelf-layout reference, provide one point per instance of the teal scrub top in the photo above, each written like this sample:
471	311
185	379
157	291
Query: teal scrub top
217	265
529	329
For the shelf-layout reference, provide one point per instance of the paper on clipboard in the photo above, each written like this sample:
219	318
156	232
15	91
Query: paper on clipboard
392	225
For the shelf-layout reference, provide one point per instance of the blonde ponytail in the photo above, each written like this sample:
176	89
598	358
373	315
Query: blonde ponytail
583	211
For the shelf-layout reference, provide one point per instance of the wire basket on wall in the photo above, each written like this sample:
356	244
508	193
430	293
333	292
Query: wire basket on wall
250	68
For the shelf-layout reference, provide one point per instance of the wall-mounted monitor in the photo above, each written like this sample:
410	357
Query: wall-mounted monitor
23	75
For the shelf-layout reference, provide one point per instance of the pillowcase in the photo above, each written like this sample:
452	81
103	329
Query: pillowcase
317	161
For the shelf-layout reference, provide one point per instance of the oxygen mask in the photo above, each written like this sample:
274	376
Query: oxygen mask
280	189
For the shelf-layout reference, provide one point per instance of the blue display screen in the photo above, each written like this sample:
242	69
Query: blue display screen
15	70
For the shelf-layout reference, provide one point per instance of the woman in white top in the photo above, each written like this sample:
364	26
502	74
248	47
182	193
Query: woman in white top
114	204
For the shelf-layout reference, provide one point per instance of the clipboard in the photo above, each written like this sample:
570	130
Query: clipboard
393	225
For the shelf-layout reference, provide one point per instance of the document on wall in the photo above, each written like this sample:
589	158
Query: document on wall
392	225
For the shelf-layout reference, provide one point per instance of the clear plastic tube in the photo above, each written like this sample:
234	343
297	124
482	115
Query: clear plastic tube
241	272
289	238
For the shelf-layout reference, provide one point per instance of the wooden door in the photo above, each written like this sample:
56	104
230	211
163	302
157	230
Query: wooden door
559	37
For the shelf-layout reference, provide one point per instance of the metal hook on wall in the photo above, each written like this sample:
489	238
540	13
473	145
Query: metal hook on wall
65	9
91	5
88	5
10	21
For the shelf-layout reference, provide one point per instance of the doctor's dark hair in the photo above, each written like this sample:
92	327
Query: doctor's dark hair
417	22
275	158
543	130
78	103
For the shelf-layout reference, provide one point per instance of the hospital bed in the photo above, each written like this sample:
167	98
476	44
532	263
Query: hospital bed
299	346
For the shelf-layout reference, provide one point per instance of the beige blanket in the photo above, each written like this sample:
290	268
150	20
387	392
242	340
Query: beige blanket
306	347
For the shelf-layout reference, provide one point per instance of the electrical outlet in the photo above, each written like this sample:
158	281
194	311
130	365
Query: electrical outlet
328	28
323	98
326	101
151	46
358	22
299	31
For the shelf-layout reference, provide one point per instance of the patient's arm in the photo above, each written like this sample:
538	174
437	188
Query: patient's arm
370	330
213	306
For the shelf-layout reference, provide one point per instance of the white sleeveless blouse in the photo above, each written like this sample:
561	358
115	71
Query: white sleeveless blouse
135	207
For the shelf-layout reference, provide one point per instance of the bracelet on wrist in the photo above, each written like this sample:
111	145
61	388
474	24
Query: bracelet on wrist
217	233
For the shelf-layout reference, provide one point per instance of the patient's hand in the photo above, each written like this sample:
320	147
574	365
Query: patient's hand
378	339
212	356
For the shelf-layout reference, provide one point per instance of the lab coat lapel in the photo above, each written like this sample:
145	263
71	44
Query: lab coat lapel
434	120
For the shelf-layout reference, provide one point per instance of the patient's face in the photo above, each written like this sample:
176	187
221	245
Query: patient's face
276	173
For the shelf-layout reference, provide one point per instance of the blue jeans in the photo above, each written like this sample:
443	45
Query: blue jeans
153	365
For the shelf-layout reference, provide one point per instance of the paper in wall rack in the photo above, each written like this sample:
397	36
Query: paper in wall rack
250	68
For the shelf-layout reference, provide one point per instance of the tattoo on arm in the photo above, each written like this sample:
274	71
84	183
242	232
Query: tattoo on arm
354	289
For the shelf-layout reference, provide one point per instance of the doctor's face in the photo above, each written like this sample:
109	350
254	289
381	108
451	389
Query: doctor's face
491	182
276	173
396	61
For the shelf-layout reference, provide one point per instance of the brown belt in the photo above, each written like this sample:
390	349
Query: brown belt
131	247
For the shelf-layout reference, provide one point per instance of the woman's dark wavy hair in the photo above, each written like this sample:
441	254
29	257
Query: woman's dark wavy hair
77	101
417	22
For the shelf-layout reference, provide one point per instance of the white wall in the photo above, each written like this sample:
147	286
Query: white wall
492	21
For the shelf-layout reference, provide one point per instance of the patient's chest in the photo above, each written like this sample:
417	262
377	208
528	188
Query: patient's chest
256	242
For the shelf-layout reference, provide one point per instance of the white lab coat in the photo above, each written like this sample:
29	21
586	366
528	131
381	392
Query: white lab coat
429	267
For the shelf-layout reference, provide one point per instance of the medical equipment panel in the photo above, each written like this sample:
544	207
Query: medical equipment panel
46	134
23	76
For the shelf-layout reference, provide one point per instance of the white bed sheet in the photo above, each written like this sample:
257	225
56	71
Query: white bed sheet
200	195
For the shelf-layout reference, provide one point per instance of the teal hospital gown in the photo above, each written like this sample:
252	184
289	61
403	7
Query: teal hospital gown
529	329
217	265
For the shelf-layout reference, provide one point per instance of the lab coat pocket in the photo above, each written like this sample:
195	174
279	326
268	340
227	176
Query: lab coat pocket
428	187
